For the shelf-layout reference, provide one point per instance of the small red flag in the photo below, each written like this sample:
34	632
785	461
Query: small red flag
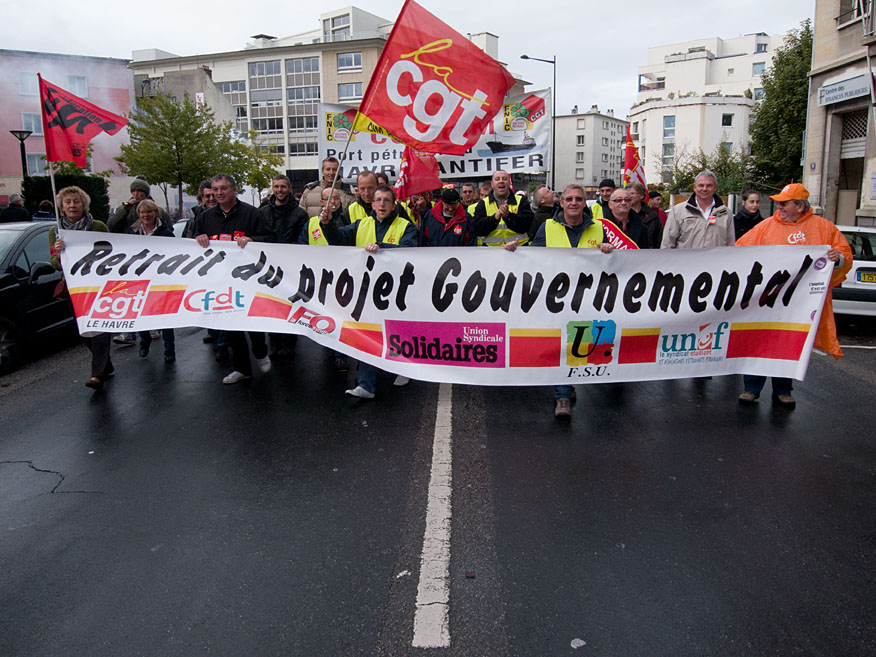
418	173
69	123
633	169
433	89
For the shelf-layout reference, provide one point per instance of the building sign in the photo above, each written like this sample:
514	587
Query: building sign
844	90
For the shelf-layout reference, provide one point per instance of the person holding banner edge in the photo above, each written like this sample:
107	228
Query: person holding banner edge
571	228
73	204
384	228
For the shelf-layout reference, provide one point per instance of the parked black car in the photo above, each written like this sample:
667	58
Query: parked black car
29	310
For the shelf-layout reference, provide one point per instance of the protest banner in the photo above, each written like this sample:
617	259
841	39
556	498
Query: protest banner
518	140
469	315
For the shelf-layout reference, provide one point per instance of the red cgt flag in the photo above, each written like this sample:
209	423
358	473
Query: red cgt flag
417	174
69	123
432	88
633	169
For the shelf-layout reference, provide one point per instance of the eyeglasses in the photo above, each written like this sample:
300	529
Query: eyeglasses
621	200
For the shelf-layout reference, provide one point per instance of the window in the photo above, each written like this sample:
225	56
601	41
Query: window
757	68
28	85
265	75
761	47
579	157
337	28
32	122
731	71
36	164
727	147
579	174
726	120
668	154
236	93
669	127
268	126
349	62
78	85
302	148
605	141
580	140
581	124
350	91
605	157
759	94
605	125
302	94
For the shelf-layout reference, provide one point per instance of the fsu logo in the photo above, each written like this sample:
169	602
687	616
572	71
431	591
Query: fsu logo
120	300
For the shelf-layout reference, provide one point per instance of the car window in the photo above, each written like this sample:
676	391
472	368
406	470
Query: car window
863	245
37	249
7	239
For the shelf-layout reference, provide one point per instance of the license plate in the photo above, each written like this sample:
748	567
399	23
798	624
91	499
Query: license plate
867	276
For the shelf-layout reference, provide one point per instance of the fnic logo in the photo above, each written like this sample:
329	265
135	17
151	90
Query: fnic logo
211	301
590	343
120	300
707	339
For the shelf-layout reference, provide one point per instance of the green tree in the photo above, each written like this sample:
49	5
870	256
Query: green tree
734	169
179	144
779	120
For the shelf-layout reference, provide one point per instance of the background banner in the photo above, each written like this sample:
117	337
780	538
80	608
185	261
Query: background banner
473	315
519	141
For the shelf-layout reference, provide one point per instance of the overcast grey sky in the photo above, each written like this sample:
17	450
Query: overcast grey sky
598	45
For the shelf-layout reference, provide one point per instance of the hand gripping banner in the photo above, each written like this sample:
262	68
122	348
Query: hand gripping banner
470	315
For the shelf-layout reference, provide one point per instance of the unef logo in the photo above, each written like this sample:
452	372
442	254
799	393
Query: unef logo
201	301
120	300
589	343
705	340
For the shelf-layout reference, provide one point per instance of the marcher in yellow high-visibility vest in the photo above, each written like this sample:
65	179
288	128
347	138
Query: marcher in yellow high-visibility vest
573	228
383	229
366	183
502	217
314	233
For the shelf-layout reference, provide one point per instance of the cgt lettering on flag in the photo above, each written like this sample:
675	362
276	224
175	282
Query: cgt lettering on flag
432	88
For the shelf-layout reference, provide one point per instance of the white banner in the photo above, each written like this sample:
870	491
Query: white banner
473	315
519	142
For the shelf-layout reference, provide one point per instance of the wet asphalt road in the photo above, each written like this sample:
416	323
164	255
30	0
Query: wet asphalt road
172	515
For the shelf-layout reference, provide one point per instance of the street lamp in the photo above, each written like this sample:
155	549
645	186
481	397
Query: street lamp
21	135
552	62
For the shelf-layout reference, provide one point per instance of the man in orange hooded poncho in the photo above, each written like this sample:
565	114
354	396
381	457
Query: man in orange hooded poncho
795	223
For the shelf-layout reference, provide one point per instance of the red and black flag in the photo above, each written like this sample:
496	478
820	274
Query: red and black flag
70	122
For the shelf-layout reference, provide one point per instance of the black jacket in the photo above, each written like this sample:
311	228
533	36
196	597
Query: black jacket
242	220
286	221
438	230
519	222
14	212
543	213
636	230
744	221
651	220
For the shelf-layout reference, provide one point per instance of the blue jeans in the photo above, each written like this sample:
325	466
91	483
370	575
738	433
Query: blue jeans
754	384
366	377
563	392
166	335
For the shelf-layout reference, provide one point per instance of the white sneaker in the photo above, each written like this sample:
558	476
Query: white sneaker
401	381
264	364
360	392
234	377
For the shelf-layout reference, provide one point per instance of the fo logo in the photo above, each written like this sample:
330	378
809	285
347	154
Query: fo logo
120	300
590	343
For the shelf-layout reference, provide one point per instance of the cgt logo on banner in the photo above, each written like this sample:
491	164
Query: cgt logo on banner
432	88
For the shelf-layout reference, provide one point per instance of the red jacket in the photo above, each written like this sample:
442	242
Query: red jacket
438	230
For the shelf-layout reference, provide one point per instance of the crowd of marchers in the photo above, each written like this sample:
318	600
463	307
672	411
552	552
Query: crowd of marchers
328	212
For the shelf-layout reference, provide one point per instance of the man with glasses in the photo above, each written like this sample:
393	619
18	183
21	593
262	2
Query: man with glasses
621	206
703	221
571	228
383	228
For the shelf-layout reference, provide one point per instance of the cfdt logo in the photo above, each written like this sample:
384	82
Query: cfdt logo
120	300
590	343
211	301
706	339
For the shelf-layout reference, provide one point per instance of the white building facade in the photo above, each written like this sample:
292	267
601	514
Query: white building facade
590	148
698	95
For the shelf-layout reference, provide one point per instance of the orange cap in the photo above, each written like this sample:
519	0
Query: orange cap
792	192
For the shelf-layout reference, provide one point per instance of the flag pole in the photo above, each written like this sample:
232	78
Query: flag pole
55	199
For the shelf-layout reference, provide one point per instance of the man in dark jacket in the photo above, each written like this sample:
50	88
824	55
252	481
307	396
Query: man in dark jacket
126	214
502	217
285	219
447	224
546	207
15	211
235	220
